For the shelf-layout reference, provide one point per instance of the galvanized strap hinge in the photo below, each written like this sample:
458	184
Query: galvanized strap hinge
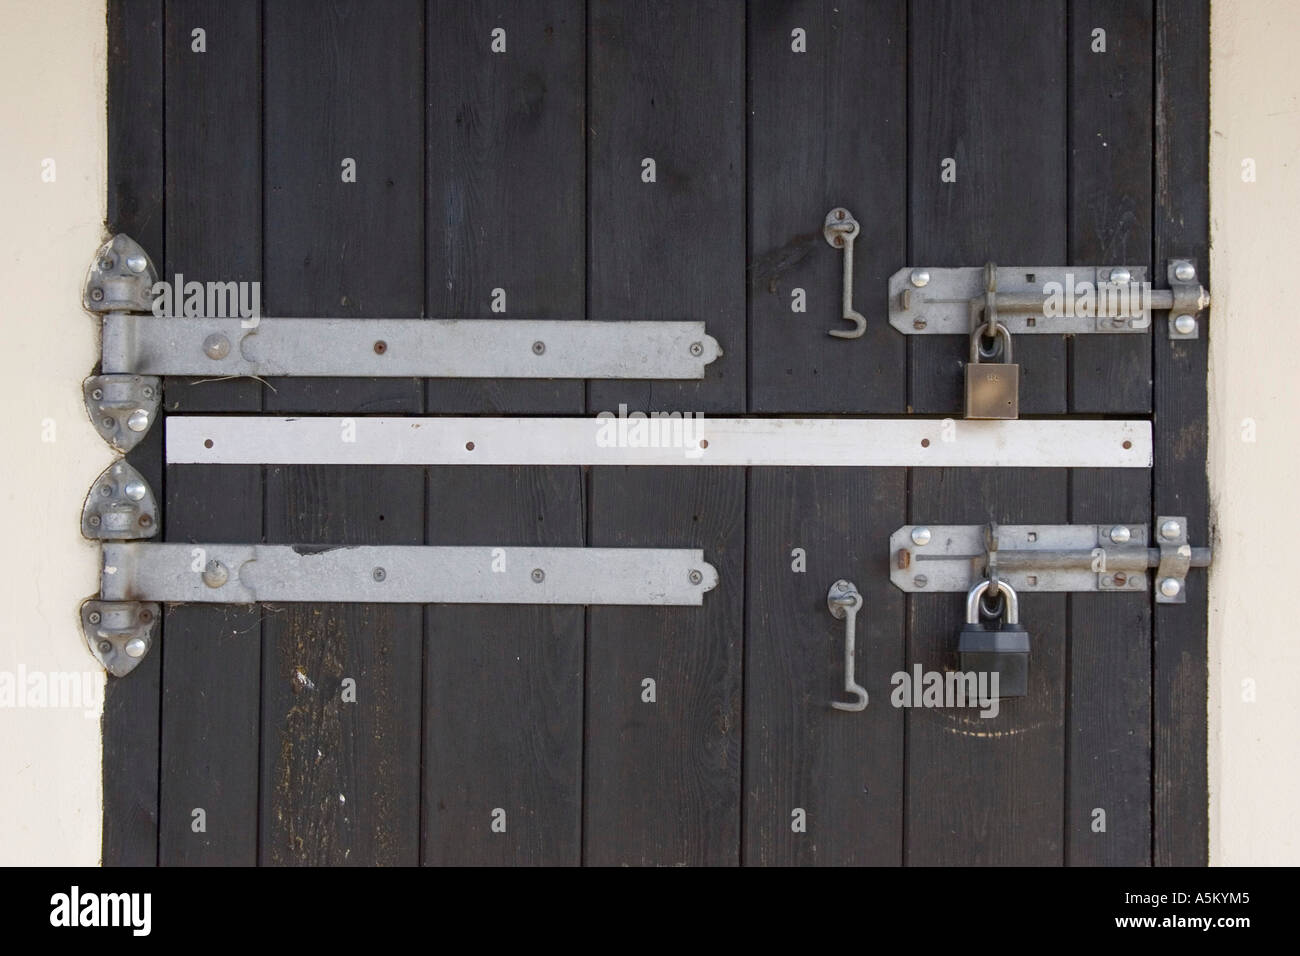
138	576
1047	558
200	329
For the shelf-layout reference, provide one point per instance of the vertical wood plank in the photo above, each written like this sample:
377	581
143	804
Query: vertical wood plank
1180	734
503	683
813	146
135	206
211	665
1108	743
1110	188
844	770
988	89
506	171
343	80
1108	747
506	168
667	83
662	779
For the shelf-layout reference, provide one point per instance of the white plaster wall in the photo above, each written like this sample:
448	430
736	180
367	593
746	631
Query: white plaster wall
52	86
1255	384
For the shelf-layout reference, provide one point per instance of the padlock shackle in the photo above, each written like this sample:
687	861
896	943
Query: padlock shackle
999	331
1011	614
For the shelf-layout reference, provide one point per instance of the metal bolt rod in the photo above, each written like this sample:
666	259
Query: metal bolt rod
1117	559
1032	303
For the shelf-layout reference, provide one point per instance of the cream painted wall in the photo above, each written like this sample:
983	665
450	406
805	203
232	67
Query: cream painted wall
1254	395
52	61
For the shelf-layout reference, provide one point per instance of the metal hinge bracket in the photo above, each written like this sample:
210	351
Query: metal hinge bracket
1047	558
120	506
120	633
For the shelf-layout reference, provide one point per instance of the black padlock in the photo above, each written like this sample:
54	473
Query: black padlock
1003	650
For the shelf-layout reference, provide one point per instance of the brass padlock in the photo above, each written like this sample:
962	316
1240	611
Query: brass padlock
992	388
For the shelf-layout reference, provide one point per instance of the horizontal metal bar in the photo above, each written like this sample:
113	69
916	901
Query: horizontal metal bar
688	440
421	348
403	574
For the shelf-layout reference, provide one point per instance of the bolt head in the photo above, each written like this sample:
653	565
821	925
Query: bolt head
920	278
538	575
215	574
216	346
1170	530
921	536
135	490
1120	534
1170	587
1184	272
1120	275
138	421
136	647
136	263
1185	324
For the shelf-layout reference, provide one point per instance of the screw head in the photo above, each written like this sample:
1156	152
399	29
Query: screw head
138	421
1170	530
381	347
1120	579
97	294
216	346
93	617
1120	275
538	575
105	647
135	490
697	348
1120	534
695	576
93	521
920	278
144	521
107	263
1170	587
215	574
1184	272
1185	324
539	348
108	422
136	262
136	647
379	574
921	536
147	391
105	490
920	580
918	323
97	394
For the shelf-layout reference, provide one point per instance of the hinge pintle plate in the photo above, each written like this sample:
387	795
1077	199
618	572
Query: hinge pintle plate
120	633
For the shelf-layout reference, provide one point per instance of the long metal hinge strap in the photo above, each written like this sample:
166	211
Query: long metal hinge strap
686	440
403	574
420	348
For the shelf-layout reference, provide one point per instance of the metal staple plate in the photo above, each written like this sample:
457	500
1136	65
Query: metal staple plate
421	348
403	574
688	440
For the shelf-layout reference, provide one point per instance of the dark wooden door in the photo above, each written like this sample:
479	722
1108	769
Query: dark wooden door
520	169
